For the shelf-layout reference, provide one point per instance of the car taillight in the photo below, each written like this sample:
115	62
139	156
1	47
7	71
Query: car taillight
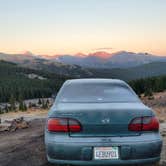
146	123
63	125
74	125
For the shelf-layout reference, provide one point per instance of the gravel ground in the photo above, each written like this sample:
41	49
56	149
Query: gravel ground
24	147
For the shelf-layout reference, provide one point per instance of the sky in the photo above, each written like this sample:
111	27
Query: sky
72	26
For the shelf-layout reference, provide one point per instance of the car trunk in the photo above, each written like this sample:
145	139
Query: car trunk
102	119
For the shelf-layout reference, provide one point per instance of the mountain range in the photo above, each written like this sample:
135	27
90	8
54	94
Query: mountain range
121	59
123	65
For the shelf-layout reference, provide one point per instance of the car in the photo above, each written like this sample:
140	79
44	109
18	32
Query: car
101	122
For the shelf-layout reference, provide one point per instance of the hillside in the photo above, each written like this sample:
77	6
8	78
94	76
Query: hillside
45	80
143	71
145	65
28	60
57	67
17	58
26	83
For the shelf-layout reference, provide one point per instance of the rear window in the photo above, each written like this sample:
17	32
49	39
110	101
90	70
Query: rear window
96	93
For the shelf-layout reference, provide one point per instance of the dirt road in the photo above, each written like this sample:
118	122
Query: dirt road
24	147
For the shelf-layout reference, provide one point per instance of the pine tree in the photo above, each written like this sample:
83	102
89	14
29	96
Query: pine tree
6	108
1	111
24	107
47	103
30	105
43	104
39	102
12	102
148	92
21	104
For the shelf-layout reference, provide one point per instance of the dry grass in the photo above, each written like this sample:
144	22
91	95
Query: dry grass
30	114
158	104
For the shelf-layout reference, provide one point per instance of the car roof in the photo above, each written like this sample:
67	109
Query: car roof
96	80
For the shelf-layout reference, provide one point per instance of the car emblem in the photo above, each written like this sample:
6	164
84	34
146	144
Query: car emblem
105	121
106	140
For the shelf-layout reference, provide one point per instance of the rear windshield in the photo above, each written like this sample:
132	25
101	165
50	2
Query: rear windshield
95	93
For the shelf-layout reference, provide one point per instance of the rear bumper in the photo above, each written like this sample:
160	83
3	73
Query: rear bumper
82	153
105	162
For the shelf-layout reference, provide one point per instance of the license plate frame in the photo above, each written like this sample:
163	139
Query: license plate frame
106	153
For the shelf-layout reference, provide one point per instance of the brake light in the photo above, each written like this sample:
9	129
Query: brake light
146	123
63	125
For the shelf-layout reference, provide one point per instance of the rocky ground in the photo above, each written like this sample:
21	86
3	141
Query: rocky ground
25	147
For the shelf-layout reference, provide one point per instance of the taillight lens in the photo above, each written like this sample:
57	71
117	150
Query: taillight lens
150	124
58	125
74	125
63	125
136	124
146	123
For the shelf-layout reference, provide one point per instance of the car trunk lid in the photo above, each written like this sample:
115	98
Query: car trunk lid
102	119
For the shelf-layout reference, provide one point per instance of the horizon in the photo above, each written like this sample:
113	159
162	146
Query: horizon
79	54
63	27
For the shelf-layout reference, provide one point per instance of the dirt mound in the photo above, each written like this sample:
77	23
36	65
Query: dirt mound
14	124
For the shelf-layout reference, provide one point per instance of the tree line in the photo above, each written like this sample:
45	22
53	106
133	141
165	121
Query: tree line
149	85
20	105
14	83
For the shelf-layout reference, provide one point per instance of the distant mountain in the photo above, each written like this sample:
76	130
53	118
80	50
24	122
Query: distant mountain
125	59
17	58
120	59
95	60
28	53
101	55
100	59
38	63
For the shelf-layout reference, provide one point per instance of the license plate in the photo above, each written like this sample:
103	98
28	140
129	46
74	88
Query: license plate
106	153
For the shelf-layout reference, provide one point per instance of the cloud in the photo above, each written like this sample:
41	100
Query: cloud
104	48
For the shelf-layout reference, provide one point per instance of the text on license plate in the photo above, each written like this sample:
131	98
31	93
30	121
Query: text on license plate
104	153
